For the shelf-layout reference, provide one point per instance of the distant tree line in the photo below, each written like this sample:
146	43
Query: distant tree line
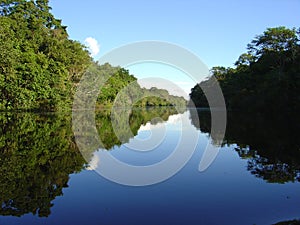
265	78
114	91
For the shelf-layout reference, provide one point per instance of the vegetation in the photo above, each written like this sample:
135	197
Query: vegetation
265	78
159	97
121	89
39	64
262	94
40	69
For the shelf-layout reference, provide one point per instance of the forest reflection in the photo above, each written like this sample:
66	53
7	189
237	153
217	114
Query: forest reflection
128	122
38	153
269	142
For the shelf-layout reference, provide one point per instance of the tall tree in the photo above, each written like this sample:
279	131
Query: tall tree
265	78
40	65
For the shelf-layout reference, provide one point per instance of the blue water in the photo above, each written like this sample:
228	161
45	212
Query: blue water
225	193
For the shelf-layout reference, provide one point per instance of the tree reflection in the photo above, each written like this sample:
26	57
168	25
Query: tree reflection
288	222
270	142
128	123
38	153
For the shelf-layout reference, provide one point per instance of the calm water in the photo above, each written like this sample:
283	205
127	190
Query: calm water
44	179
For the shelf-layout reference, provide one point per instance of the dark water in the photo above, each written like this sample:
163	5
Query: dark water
44	178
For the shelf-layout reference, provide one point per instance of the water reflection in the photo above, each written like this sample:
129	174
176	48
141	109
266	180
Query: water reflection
270	143
38	153
128	123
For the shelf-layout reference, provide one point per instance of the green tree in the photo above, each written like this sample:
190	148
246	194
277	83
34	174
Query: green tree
264	79
39	64
278	39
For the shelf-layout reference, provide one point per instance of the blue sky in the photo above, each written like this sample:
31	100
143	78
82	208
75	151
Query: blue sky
216	31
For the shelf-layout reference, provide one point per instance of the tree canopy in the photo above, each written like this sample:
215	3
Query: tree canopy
40	67
39	64
267	77
122	89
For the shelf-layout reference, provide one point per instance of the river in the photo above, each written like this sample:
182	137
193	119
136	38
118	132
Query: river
145	170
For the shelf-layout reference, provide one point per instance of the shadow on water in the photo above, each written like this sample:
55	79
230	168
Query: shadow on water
269	142
38	153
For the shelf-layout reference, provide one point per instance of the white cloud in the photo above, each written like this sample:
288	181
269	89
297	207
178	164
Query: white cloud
92	45
184	83
173	119
93	164
149	126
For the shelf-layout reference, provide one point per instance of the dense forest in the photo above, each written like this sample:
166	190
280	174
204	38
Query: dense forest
266	78
40	66
121	88
262	95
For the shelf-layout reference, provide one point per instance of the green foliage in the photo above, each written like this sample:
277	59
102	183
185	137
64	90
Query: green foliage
117	78
159	97
39	65
37	154
267	78
121	89
278	39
